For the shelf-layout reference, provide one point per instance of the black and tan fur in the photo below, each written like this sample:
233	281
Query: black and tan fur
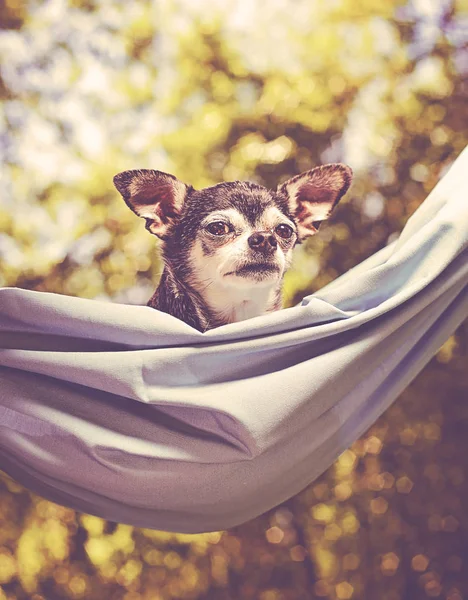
226	248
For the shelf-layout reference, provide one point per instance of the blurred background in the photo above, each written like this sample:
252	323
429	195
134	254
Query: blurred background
213	90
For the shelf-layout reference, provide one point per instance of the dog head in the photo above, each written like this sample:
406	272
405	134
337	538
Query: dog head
236	235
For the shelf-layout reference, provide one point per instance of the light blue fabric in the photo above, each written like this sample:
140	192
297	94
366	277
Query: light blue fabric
129	414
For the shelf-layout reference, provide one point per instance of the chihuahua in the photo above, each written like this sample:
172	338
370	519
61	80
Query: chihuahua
227	247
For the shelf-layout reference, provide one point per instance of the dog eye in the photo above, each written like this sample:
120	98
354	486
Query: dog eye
284	231
218	228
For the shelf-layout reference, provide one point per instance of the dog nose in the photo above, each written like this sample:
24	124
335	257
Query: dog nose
258	241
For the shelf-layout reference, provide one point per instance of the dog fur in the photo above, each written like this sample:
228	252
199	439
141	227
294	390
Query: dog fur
227	247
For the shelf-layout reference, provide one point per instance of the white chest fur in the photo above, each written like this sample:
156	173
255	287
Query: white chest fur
233	304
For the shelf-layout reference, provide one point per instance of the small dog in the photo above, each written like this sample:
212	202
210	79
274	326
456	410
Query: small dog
227	247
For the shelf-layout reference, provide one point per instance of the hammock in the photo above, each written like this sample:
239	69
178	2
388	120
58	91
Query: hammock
129	414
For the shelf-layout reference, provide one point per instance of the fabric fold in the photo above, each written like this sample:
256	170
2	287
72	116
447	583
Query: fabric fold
130	414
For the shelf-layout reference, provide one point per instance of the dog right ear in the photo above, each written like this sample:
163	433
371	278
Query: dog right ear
155	196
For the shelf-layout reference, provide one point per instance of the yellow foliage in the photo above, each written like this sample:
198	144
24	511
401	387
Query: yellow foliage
326	563
31	559
346	463
349	523
7	567
323	512
55	539
129	572
99	549
172	560
94	525
234	91
77	586
344	590
447	350
122	538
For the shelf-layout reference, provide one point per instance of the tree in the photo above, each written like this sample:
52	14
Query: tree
237	92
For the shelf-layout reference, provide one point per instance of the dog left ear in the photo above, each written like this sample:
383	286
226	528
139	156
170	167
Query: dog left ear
155	196
314	194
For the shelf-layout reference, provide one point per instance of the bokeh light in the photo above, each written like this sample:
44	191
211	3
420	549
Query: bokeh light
220	90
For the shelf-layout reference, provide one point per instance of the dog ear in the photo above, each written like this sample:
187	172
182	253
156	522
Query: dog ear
155	196
314	194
